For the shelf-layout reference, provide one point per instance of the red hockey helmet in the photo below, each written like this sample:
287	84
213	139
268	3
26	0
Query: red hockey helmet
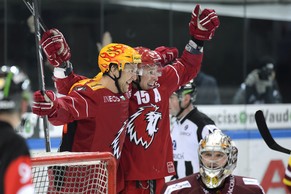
150	62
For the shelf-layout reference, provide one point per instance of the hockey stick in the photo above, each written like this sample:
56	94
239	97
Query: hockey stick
34	8
31	9
265	133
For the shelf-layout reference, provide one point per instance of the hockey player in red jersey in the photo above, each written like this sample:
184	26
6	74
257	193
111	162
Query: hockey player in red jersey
99	105
217	159
15	165
148	156
148	133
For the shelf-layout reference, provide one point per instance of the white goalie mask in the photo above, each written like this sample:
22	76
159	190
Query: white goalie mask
217	158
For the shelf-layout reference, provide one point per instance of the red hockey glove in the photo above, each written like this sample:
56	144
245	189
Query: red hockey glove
44	104
203	23
167	54
55	47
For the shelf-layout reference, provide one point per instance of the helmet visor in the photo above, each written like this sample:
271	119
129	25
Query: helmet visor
150	70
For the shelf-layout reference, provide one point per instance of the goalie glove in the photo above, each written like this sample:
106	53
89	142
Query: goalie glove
55	47
167	54
44	103
203	23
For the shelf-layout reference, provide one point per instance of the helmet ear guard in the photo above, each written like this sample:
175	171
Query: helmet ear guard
213	175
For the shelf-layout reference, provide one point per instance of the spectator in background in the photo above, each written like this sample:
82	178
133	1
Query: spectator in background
208	89
217	159
189	126
15	166
260	86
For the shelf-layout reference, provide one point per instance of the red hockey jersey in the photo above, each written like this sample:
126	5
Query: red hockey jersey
193	185
95	108
148	152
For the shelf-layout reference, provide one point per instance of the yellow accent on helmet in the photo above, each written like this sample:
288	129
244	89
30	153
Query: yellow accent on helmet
119	54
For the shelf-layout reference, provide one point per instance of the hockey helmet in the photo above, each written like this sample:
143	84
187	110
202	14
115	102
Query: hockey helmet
14	86
217	158
119	54
149	59
189	88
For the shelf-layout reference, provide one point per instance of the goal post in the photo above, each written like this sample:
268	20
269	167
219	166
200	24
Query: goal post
74	172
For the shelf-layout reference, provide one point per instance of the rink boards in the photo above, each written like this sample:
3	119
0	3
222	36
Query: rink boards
255	159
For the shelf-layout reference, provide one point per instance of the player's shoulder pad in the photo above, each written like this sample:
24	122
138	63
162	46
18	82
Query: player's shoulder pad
177	186
91	83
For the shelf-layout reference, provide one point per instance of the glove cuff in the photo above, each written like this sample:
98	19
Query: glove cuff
193	48
64	70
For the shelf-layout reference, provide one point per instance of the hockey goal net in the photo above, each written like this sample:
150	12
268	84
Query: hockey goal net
71	172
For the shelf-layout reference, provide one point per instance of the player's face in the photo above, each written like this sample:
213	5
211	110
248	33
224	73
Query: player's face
149	77
213	159
128	75
174	106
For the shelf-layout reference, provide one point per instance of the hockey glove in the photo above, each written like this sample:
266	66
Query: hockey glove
44	103
203	23
55	47
167	54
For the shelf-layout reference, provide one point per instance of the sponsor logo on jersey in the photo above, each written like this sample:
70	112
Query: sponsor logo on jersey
177	186
147	119
111	99
170	167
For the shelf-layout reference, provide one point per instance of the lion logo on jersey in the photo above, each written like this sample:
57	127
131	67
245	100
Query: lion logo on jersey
116	144
147	119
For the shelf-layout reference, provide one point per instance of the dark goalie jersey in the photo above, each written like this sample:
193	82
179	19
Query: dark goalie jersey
233	185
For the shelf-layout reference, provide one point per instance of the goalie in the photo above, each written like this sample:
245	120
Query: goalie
217	159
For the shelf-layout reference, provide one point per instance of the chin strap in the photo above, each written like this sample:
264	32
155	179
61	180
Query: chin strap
115	79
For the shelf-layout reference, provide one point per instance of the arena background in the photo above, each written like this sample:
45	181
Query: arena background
249	30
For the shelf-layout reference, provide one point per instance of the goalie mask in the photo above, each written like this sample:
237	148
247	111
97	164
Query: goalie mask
217	158
119	54
14	86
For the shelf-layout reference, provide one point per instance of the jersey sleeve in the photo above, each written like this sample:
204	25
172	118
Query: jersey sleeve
79	104
63	85
181	71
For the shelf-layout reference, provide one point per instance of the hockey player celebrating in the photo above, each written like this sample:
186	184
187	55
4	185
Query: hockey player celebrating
99	105
217	160
148	131
188	128
15	166
148	156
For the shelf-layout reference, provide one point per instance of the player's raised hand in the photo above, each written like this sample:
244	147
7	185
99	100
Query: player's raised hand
55	47
203	23
167	54
44	103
